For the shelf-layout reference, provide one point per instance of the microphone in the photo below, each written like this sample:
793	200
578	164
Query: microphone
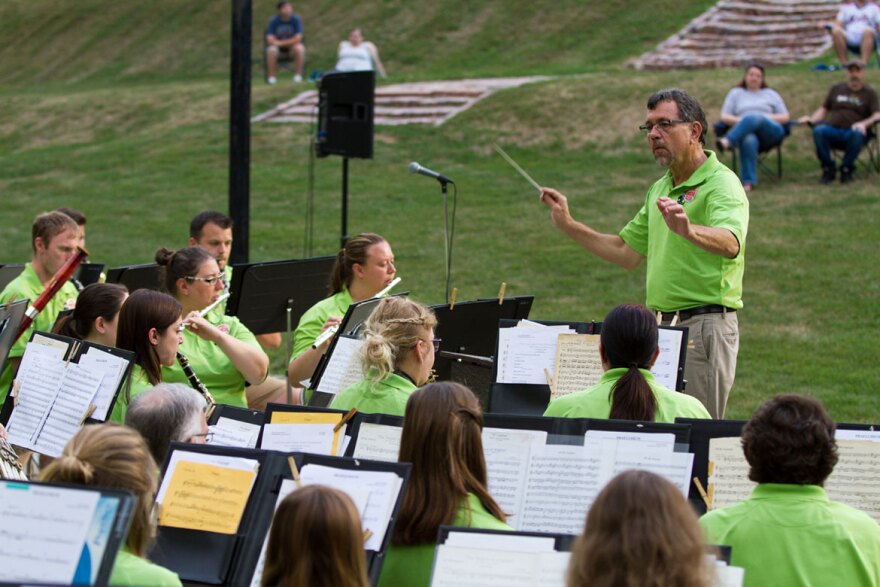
416	168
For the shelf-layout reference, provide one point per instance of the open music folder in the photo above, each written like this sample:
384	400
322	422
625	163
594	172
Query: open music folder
61	384
217	505
61	535
468	557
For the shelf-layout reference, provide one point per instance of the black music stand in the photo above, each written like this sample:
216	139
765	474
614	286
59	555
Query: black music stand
9	272
11	316
134	277
271	297
89	273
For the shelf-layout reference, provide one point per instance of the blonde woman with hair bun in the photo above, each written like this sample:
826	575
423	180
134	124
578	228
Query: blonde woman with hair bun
398	355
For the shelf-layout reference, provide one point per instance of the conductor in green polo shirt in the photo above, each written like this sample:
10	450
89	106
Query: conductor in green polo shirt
692	231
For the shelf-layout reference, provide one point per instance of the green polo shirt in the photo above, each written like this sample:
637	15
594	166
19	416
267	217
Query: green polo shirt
138	383
130	570
595	402
387	396
211	364
795	535
411	565
27	286
310	323
681	275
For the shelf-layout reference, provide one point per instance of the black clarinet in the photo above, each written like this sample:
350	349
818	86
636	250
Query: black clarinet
196	383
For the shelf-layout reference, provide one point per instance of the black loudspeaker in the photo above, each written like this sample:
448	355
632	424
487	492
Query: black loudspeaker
345	114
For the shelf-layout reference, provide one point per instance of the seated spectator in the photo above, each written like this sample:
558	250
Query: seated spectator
96	315
116	457
788	532
855	29
755	115
284	34
170	412
356	54
843	122
639	531
628	391
398	355
448	485
316	540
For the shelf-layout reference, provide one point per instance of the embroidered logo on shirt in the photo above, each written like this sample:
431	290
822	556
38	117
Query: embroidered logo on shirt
70	304
689	197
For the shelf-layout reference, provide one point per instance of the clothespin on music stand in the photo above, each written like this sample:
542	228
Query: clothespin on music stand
367	534
549	379
702	491
452	297
295	472
74	348
16	387
674	320
89	411
659	317
501	293
345	419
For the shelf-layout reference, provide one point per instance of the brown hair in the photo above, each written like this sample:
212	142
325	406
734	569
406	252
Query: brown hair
74	214
441	437
113	456
629	341
395	325
48	225
315	540
197	224
96	300
354	251
790	439
145	309
639	532
180	264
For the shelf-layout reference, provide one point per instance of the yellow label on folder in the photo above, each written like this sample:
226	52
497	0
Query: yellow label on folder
206	497
305	418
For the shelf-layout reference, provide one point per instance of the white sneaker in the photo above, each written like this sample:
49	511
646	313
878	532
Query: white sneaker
272	80
297	78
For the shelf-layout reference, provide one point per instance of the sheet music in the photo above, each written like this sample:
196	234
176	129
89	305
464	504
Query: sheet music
378	442
855	479
872	435
727	576
344	367
112	368
206	492
229	432
675	467
578	365
78	387
562	483
317	439
524	353
383	488
507	454
42	531
636	441
456	566
40	377
728	481
665	369
501	541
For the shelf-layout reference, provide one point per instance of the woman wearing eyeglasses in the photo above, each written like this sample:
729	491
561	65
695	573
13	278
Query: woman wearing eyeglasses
398	355
221	350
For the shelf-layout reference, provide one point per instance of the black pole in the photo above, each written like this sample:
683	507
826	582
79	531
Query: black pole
240	128
344	238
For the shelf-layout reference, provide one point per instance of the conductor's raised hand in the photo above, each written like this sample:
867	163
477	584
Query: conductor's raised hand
558	205
674	216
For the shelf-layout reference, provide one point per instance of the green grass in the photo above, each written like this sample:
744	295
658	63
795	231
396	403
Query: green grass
133	129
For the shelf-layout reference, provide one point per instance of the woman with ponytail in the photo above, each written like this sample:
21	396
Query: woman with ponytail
95	317
398	355
363	268
442	438
116	457
627	390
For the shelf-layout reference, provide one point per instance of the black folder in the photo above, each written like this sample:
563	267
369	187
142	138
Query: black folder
11	315
134	277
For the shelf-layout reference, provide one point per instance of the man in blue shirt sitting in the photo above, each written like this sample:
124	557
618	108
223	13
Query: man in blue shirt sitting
284	34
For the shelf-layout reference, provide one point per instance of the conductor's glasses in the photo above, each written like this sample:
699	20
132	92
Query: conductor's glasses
663	125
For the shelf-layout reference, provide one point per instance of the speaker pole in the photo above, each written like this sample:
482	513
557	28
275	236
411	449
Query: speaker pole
344	238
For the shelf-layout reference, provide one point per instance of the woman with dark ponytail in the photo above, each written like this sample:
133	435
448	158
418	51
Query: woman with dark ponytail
627	390
96	315
363	268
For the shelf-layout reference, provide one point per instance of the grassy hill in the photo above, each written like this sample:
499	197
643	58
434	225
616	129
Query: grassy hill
122	111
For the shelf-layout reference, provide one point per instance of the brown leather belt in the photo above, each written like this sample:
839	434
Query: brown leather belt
691	312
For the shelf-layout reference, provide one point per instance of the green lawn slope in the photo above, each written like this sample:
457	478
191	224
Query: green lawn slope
122	111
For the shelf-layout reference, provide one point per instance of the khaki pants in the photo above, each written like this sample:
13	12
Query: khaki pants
710	366
272	390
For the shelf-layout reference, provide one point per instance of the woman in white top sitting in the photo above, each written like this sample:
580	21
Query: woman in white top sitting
356	54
